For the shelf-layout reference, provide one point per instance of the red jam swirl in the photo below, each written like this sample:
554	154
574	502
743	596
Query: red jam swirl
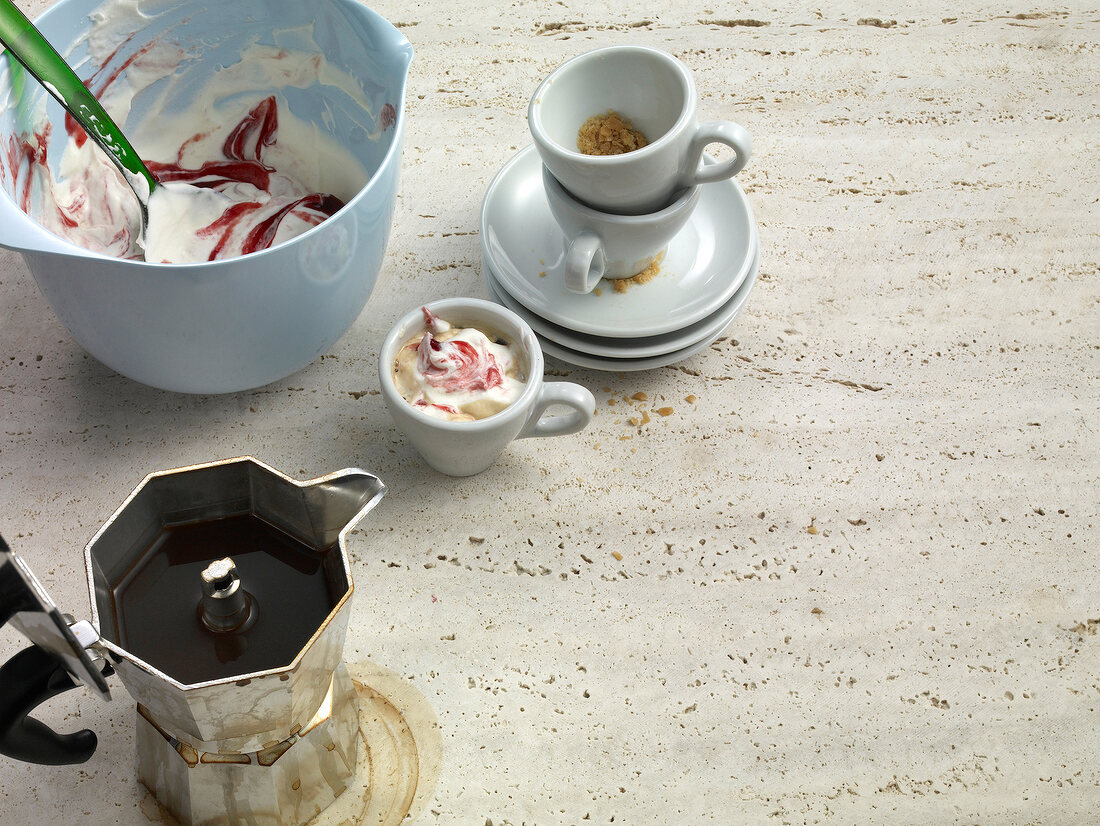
457	365
457	373
243	163
244	148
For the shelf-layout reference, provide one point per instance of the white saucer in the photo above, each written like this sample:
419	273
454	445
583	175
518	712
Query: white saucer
635	348
701	270
630	364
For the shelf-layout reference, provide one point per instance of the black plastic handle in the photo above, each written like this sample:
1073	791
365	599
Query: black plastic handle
27	680
32	677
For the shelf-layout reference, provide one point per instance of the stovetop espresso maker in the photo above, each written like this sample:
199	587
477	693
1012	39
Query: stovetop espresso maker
220	597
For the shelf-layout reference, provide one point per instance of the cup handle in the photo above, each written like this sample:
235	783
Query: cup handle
585	263
733	135
560	392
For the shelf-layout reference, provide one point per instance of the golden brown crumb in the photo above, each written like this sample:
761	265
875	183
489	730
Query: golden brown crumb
690	399
639	396
664	411
609	134
621	285
617	555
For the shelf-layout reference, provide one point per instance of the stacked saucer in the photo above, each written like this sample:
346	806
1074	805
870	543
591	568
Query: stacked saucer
701	284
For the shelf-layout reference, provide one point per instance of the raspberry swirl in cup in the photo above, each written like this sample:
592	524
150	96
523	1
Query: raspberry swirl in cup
458	374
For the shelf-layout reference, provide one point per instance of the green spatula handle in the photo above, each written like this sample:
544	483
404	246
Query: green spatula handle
27	45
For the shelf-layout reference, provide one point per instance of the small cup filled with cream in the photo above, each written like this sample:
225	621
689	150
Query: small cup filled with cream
463	377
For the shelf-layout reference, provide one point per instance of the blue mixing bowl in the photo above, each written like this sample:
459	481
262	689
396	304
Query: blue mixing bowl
227	325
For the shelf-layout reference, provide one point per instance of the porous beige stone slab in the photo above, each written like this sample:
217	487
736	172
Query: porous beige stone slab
839	567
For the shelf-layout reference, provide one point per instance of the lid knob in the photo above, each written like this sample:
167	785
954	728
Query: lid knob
225	604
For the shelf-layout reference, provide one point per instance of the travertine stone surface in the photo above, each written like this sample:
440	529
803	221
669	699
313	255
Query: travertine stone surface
851	577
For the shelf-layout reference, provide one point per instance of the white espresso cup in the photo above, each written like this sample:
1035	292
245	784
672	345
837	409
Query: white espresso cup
466	448
607	245
656	93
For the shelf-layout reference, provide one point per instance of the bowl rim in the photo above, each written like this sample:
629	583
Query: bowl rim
63	246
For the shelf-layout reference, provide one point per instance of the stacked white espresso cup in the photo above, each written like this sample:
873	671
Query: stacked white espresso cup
622	261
